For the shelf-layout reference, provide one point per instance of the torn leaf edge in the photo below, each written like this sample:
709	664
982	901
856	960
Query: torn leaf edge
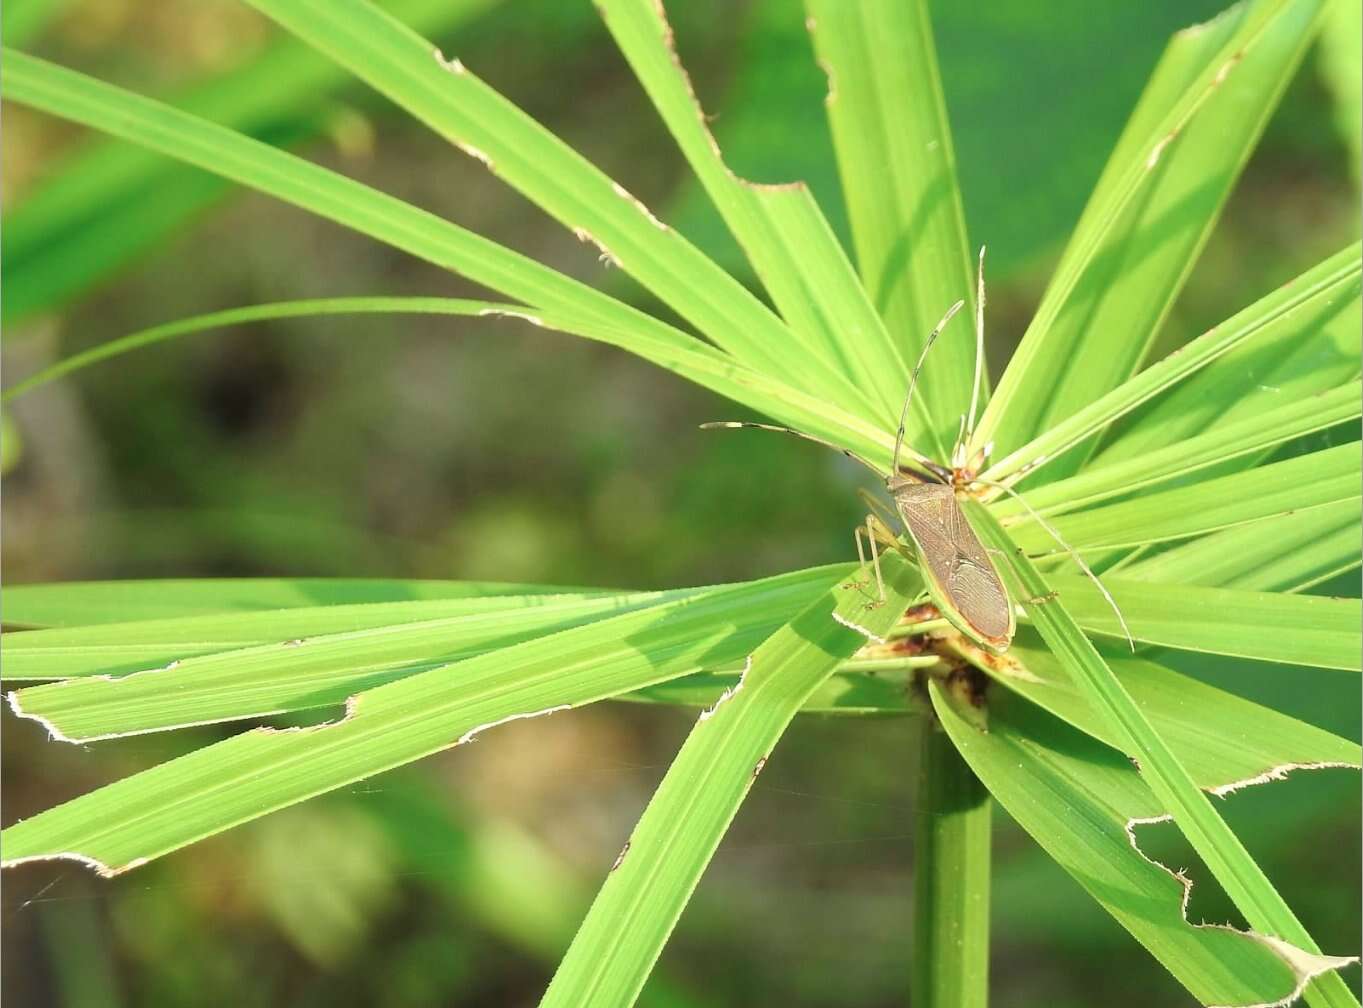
55	734
1304	965
728	694
875	638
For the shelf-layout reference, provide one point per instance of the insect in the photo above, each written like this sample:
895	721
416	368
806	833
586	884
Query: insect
958	573
960	577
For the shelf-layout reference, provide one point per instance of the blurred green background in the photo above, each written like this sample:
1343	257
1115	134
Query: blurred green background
430	447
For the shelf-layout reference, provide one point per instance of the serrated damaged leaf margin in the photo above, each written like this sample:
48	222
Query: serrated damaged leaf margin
1305	966
1004	758
176	803
351	708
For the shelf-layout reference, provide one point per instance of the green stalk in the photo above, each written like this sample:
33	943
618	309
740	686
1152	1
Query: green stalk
950	966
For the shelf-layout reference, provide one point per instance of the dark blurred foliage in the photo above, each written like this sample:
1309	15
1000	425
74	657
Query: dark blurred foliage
487	449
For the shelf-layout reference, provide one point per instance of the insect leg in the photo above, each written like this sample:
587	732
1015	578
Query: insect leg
883	532
869	531
882	513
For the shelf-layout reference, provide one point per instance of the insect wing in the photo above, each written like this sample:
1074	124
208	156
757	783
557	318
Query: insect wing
960	576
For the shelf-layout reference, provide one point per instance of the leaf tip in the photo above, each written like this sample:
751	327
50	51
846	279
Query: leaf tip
1304	965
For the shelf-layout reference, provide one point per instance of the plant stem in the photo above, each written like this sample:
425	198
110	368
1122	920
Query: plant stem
950	966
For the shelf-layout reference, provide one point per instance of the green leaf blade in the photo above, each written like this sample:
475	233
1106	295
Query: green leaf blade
83	603
1247	437
663	346
1292	629
1250	890
1149	216
1225	741
222	681
1237	368
107	204
452	101
1293	486
159	810
1078	798
895	157
780	227
668	850
1285	554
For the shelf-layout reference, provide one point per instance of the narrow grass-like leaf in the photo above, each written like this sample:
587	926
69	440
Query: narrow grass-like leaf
1252	434
781	229
1296	629
158	674
1176	792
451	100
82	99
1149	215
1283	366
1081	801
1285	554
1222	739
1341	66
336	653
119	647
689	358
82	603
108	203
1316	313
159	810
177	134
665	855
854	694
893	144
105	173
1294	485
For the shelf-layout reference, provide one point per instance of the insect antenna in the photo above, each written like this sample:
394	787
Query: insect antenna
913	381
1088	571
957	456
741	424
979	355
